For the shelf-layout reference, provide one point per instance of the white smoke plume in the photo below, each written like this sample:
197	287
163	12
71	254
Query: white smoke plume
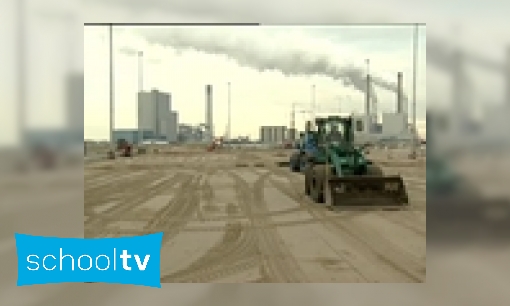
265	54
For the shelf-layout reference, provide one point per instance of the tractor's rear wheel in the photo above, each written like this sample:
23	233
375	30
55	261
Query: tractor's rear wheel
295	162
319	183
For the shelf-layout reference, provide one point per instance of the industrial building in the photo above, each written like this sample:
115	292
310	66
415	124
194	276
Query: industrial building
273	134
185	132
367	128
293	134
173	129
131	135
155	114
393	126
191	133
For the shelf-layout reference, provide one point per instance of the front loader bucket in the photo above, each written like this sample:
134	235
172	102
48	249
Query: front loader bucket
368	191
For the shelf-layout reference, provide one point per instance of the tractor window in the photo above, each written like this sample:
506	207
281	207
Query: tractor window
334	131
359	125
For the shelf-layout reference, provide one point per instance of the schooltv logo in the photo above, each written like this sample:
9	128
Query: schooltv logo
126	260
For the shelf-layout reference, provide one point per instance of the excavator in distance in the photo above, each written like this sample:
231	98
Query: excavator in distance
215	144
338	174
124	147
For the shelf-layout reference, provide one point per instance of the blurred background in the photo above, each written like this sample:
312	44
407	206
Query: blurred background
468	106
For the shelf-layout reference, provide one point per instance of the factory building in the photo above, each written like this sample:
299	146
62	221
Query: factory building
394	124
265	134
185	133
360	123
153	108
131	135
191	133
172	129
273	134
154	114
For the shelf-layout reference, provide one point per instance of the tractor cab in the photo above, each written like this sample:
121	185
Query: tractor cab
336	146
335	130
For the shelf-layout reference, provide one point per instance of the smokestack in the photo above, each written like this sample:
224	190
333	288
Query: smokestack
367	106
399	93
208	111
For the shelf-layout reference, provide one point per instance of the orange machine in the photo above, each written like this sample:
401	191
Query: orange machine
124	147
217	143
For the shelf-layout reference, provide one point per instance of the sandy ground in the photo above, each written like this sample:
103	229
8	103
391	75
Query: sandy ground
235	217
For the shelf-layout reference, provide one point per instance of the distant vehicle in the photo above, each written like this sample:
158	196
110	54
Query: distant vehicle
124	147
217	143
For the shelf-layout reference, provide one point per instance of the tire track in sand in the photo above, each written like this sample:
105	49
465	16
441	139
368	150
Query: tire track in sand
181	208
236	251
126	187
96	225
367	241
278	264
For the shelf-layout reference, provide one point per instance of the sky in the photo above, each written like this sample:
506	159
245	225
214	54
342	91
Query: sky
55	43
269	68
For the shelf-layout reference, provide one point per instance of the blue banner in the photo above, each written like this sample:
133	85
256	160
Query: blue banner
126	260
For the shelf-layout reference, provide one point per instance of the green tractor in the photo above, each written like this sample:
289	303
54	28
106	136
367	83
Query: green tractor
339	174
